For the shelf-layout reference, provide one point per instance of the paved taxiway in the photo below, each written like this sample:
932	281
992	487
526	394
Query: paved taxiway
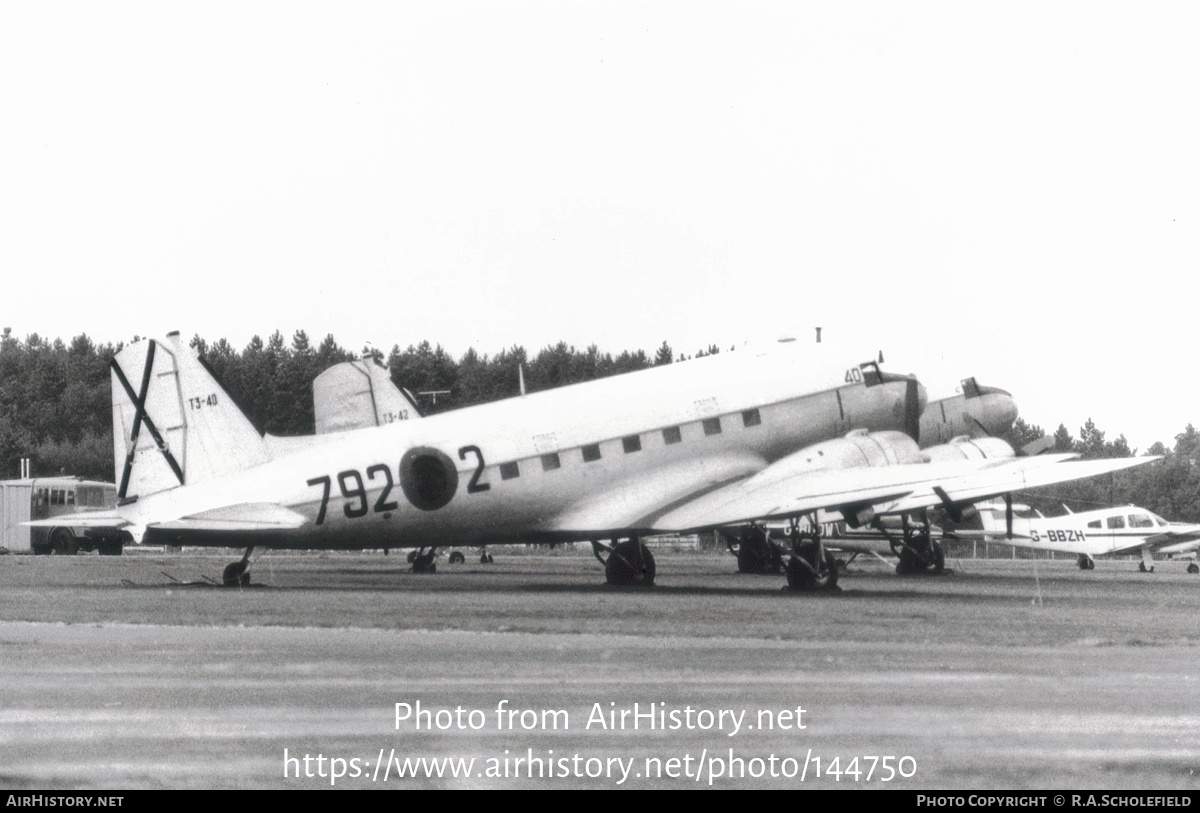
111	676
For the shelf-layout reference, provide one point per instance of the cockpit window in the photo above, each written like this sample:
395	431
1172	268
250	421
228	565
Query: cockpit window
1161	522
1094	523
970	387
1115	522
1140	521
870	373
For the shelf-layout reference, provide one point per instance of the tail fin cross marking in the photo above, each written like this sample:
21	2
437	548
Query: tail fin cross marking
141	416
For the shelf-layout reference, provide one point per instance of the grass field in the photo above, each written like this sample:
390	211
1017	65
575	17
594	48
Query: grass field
1005	674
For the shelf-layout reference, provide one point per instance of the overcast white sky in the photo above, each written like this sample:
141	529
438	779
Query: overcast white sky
1005	190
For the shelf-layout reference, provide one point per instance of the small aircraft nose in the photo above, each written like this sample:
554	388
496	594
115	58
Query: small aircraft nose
1006	411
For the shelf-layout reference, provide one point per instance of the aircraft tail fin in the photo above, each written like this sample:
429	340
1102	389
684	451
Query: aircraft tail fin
359	394
173	424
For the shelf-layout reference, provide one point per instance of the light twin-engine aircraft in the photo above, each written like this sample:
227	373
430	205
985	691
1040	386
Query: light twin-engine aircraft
725	440
1103	532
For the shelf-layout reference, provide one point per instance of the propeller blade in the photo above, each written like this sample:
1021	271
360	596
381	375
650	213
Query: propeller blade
912	409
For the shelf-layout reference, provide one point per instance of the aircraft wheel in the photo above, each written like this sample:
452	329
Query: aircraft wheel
412	556
457	558
800	567
235	575
113	548
1143	569
424	563
913	559
756	555
1193	568
630	563
63	542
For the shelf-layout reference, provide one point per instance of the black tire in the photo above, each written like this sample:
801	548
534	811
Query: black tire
457	558
800	567
235	575
110	548
412	556
425	563
921	557
63	542
756	554
630	563
1193	568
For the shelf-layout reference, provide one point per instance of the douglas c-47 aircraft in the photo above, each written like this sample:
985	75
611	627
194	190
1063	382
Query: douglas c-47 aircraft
1104	532
727	440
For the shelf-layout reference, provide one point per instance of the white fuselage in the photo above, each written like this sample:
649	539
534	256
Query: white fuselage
546	465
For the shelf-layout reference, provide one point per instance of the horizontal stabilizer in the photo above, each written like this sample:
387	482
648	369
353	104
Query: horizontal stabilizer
98	519
241	517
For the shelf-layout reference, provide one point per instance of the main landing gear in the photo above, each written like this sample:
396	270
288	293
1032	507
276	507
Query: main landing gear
918	552
424	560
1193	568
810	566
238	573
629	563
755	551
1085	562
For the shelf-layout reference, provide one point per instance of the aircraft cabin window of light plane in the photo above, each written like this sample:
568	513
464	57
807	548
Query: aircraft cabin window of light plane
1116	522
550	462
672	434
1094	523
1140	521
631	444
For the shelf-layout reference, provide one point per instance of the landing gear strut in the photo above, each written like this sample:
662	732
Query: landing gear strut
810	566
628	563
916	549
238	573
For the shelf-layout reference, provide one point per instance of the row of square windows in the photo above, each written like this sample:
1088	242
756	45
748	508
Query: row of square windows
630	444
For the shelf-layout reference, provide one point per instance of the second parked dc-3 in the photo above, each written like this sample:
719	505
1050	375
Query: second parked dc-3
742	437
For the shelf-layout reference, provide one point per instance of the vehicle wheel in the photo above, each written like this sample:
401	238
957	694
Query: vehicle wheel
457	558
63	542
630	563
800	567
1193	568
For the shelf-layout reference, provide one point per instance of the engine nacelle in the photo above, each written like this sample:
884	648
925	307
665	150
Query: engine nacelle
858	449
966	448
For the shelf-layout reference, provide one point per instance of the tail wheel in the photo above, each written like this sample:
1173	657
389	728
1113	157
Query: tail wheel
807	570
457	558
629	563
63	542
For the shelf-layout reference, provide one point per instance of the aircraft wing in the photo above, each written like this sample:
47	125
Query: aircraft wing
772	494
1175	540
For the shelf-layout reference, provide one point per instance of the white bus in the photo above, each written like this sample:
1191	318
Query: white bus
48	498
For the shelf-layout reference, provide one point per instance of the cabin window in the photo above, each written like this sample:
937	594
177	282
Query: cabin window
712	426
633	443
1094	523
591	452
70	498
751	417
508	471
672	435
1140	521
56	496
550	462
1115	522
